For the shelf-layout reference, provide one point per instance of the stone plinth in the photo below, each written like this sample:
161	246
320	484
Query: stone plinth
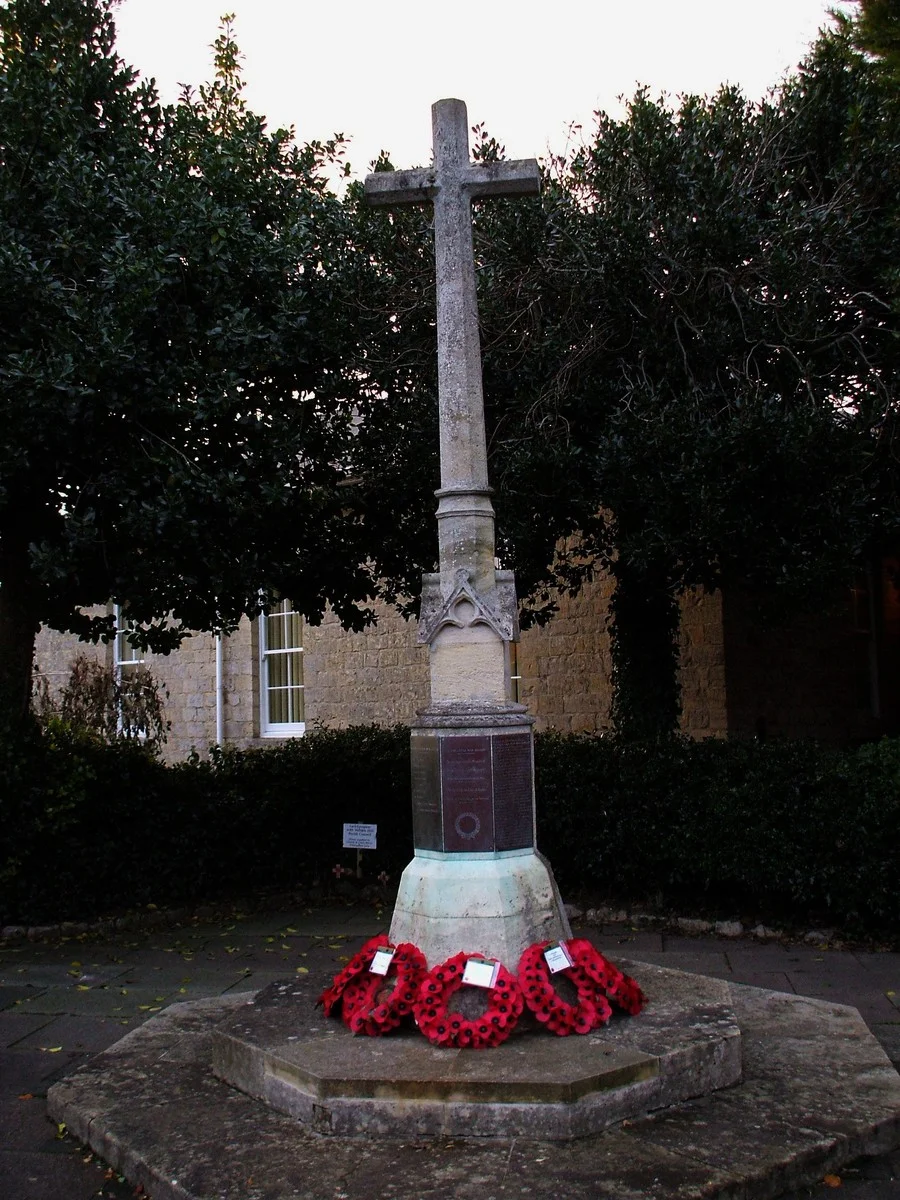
686	1043
491	904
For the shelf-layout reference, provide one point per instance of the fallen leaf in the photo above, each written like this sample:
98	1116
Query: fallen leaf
833	1181
27	1096
83	987
343	958
335	945
891	993
303	970
51	1049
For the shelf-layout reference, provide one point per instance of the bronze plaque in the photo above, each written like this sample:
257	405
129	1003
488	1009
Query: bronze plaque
513	791
426	793
467	792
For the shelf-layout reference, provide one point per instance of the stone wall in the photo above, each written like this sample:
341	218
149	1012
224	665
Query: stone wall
704	711
380	675
808	678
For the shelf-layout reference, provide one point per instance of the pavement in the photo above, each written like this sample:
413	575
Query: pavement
63	1000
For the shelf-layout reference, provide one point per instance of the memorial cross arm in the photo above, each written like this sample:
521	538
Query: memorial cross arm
519	177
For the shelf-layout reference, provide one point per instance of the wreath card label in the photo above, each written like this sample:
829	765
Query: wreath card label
481	972
558	958
382	960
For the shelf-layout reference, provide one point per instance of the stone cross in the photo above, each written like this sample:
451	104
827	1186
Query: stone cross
465	514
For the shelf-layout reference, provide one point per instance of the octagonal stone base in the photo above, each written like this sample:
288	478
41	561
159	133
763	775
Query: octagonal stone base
817	1091
686	1043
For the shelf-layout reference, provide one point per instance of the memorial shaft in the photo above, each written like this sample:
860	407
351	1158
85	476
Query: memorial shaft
465	515
476	881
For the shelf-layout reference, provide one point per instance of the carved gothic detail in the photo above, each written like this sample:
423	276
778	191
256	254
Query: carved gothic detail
464	606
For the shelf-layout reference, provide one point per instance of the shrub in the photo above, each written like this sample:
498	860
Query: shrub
94	827
776	830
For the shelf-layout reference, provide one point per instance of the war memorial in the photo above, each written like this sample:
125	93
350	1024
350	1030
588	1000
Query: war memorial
710	1090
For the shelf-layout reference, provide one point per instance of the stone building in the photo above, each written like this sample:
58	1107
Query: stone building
834	678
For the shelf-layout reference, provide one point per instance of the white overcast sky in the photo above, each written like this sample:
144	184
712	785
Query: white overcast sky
372	68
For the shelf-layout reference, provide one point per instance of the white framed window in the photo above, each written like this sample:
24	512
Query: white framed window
127	660
281	672
125	656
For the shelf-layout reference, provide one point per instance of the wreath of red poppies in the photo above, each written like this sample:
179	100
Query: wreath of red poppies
444	1027
364	1007
596	980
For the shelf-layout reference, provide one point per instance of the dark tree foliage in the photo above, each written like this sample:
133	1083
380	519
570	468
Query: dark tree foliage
168	310
877	31
689	353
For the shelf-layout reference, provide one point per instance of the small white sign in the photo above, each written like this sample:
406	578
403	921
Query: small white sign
382	961
481	972
360	837
557	958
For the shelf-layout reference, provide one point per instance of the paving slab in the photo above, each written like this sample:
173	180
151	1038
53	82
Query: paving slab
98	1002
633	941
15	1025
888	1034
22	1071
12	995
682	960
77	1033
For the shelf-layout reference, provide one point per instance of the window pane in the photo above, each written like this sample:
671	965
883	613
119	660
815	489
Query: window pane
278	706
296	630
296	694
275	632
278	670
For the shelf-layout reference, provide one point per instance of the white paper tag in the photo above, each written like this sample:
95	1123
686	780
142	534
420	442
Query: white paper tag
557	958
381	961
481	972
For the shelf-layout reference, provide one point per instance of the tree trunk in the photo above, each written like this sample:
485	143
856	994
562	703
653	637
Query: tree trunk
644	642
18	629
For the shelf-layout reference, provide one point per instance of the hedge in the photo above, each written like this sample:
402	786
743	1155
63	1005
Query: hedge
772	830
